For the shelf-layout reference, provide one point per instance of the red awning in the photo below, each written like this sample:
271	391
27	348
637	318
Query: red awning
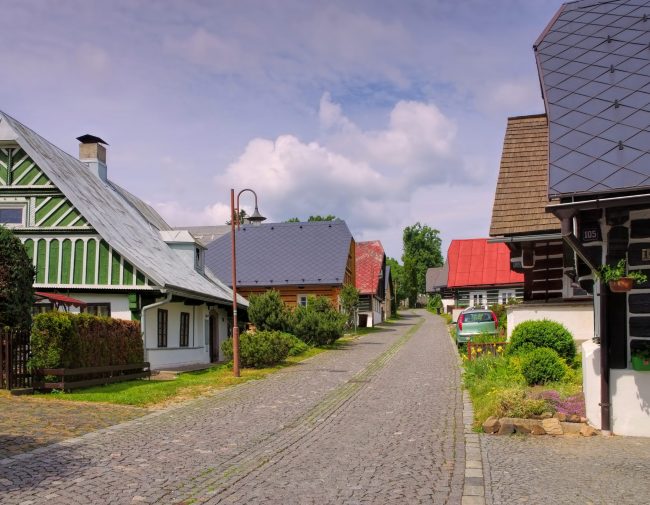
58	299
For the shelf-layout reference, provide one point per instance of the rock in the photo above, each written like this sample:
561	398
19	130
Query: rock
491	425
525	426
583	420
506	428
560	416
537	429
588	431
546	415
574	418
552	426
571	428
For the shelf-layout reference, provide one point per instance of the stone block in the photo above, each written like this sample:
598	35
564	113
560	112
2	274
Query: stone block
588	431
506	428
491	425
571	428
552	426
537	429
560	416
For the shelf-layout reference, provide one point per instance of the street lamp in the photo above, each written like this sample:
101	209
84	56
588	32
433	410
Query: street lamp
255	218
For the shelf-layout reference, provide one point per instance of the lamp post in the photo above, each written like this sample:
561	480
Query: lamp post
255	218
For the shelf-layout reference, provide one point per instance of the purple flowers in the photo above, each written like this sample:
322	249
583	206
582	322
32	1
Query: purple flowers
571	405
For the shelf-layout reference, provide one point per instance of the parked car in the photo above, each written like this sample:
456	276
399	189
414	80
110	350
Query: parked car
475	321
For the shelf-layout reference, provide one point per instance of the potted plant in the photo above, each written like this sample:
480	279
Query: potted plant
640	352
618	279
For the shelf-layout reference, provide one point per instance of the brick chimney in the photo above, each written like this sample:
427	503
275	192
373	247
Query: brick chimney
93	153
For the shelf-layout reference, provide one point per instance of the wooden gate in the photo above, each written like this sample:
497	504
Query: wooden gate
14	353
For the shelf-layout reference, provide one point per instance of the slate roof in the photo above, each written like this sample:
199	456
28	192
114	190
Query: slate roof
522	188
369	261
594	66
115	218
279	254
436	278
476	262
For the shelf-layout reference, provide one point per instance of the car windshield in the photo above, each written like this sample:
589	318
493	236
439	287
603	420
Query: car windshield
477	317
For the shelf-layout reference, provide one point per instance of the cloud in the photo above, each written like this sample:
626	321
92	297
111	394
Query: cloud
179	214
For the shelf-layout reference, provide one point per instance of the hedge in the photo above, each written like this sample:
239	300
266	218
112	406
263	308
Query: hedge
63	340
259	349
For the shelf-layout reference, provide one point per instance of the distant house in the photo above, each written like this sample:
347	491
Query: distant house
520	221
92	241
370	281
297	259
480	273
436	284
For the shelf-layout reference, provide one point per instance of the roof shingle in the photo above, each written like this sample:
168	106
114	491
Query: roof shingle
369	264
476	262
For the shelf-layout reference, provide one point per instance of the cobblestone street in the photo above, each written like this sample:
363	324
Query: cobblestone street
378	422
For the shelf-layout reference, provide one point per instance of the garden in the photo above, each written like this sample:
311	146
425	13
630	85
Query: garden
536	375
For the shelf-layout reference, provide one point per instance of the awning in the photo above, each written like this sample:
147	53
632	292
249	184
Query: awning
58	299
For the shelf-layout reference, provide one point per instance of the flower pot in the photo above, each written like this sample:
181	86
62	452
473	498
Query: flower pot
640	364
621	285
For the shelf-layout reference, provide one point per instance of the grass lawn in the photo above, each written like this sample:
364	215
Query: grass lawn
159	393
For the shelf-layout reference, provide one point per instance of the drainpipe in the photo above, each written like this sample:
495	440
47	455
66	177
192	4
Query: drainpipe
566	216
143	322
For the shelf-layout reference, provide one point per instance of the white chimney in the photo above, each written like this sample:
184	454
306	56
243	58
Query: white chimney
93	153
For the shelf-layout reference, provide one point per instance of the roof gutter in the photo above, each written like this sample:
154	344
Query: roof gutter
600	203
525	238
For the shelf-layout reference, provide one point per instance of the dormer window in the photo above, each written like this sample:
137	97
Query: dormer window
198	259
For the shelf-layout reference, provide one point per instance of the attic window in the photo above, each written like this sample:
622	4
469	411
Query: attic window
12	215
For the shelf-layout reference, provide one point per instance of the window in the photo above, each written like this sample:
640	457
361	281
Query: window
40	308
11	215
185	329
505	295
98	309
302	300
477	298
162	328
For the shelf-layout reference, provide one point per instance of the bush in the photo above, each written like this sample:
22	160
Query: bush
514	402
319	323
544	333
16	278
502	317
259	349
542	365
63	340
268	312
297	345
434	303
349	303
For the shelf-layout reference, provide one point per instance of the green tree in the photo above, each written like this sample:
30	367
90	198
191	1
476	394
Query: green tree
421	252
349	302
397	273
16	279
293	220
329	217
267	311
242	218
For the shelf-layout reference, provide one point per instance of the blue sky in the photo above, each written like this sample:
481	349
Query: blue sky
383	113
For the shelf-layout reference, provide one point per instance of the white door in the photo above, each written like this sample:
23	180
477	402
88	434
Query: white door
477	298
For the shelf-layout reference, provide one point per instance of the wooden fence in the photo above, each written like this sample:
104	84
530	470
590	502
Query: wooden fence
73	378
14	355
478	349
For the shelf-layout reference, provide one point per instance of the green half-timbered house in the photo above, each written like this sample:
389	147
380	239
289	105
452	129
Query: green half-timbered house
93	240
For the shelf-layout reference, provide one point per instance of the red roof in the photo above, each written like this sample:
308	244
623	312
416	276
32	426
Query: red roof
369	261
60	299
475	262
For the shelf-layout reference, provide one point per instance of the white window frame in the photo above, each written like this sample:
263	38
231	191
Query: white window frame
302	299
509	293
15	204
477	294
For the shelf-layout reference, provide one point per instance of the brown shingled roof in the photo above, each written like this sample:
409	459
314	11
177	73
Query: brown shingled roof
522	188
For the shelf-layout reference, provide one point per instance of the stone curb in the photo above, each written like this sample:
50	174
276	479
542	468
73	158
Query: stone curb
474	484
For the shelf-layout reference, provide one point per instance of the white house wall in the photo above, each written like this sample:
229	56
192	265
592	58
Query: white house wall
578	318
174	355
119	303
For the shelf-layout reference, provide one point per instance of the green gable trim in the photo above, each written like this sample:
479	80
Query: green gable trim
128	273
22	170
91	261
4	164
40	261
77	277
103	262
115	268
29	247
66	258
53	263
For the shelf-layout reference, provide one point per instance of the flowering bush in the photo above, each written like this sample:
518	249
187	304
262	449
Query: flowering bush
572	405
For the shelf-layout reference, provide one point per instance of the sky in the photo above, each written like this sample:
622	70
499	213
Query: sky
383	113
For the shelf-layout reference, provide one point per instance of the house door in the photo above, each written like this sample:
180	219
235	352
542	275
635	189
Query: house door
214	339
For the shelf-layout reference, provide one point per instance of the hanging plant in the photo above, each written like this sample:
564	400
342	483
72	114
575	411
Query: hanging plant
618	278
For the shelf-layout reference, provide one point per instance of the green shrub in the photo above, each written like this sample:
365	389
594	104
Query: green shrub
63	340
542	365
259	349
268	312
502	317
514	402
543	334
297	345
349	303
16	278
319	323
434	303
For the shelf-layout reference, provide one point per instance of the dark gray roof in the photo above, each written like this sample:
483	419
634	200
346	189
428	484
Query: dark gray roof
437	278
594	62
115	218
276	254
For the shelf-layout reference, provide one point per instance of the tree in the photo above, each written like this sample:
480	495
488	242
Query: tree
397	273
267	311
349	302
421	252
311	219
16	279
242	218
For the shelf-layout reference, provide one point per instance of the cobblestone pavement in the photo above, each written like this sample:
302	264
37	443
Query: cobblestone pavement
566	470
27	423
378	422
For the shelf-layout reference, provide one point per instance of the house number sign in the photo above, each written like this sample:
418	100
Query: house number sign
645	254
591	234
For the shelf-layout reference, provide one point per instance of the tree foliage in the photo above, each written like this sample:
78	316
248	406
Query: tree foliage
421	252
329	217
242	218
397	273
349	302
16	279
319	323
267	311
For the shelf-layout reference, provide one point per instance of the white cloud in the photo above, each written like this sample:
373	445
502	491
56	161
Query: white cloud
178	214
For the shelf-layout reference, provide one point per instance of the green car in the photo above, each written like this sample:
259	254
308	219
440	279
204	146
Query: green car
473	322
